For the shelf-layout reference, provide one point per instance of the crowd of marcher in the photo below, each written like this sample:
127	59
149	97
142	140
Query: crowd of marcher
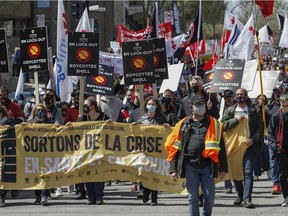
196	147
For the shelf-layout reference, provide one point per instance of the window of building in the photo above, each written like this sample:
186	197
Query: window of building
43	3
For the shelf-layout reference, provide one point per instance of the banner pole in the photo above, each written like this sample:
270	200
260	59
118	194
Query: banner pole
261	83
36	86
81	95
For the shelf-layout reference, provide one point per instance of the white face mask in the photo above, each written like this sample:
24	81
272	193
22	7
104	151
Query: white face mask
199	110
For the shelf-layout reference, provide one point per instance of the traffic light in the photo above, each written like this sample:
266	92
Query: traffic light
75	11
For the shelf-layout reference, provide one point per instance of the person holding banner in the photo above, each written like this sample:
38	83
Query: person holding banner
196	151
95	190
243	117
153	115
39	116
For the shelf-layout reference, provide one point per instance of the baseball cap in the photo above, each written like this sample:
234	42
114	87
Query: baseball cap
228	93
197	99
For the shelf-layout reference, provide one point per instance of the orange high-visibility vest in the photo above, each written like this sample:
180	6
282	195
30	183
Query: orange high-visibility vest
212	140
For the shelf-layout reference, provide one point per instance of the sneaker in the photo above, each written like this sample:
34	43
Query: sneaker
228	191
276	189
154	203
248	204
91	203
14	193
134	187
81	196
140	195
58	192
70	188
285	203
37	201
44	201
100	202
2	202
108	183
238	201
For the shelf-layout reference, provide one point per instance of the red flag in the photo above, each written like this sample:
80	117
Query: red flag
266	7
224	39
212	62
193	49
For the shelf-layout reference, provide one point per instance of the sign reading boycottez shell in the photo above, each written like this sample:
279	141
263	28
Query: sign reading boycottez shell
83	53
33	44
3	54
228	75
138	62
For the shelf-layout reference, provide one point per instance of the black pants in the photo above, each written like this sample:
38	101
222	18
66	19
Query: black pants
147	192
283	173
81	188
3	194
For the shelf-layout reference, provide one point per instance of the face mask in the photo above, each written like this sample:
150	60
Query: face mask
4	101
40	113
86	109
199	110
151	108
167	100
49	99
195	89
64	112
240	100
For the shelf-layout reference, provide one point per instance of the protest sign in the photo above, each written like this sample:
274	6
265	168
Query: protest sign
228	75
103	84
138	62
34	44
83	53
42	156
4	68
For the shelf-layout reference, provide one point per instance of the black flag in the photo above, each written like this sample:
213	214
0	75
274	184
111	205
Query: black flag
190	37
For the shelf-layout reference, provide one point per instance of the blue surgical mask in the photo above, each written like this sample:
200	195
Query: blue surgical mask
151	108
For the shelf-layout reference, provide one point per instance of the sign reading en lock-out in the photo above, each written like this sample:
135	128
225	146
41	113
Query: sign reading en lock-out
83	53
228	75
3	54
138	62
33	44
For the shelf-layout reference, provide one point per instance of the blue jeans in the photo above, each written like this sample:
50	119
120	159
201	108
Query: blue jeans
95	190
194	178
228	184
249	161
274	171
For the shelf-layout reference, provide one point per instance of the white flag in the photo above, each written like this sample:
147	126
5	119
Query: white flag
284	36
229	51
20	85
230	20
263	35
84	25
63	82
245	44
173	44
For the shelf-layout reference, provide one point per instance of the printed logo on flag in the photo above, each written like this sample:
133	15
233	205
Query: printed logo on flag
34	50
138	63
83	55
228	76
100	80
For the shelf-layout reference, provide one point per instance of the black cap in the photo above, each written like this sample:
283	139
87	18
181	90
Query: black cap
197	99
228	93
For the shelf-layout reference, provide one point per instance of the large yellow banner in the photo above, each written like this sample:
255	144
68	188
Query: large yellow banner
38	156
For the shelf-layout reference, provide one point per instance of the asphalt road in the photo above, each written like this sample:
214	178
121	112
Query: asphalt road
120	201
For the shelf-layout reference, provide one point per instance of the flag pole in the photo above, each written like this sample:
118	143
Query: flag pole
259	69
198	34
